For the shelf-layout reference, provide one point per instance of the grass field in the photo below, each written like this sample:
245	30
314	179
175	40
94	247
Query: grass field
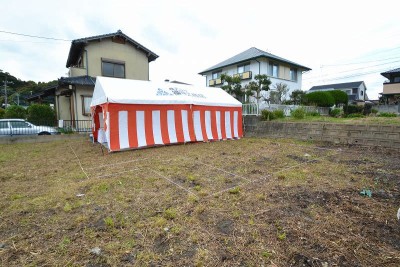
249	202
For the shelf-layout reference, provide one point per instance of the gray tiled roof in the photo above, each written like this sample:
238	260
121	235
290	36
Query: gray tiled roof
78	44
78	80
249	54
387	73
337	86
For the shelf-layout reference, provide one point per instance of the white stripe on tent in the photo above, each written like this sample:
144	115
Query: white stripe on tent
235	124
218	118
157	127
185	125
197	126
141	134
171	126
123	129
228	124
101	120
208	124
108	128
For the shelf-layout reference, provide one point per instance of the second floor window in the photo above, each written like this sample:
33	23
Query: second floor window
273	69
216	75
243	68
293	74
113	69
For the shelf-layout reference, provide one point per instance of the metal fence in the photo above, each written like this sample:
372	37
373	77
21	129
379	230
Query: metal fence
75	125
255	109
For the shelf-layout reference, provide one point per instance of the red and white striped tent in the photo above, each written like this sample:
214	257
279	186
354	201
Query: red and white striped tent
129	114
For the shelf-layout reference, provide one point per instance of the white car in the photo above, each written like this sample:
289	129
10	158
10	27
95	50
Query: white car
22	127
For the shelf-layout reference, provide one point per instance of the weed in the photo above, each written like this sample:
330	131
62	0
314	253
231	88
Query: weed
16	196
281	236
160	222
193	199
67	207
64	243
266	254
191	178
197	187
170	213
109	222
234	191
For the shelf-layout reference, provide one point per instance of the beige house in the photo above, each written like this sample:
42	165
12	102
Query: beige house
111	55
391	87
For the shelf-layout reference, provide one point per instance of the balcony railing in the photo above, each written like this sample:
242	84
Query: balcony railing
244	75
215	82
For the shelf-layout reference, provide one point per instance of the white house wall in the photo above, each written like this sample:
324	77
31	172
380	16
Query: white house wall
263	69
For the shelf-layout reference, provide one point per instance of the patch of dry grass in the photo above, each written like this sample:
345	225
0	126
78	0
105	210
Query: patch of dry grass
248	202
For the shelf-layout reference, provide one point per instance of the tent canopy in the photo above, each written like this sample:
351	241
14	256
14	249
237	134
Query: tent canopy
125	91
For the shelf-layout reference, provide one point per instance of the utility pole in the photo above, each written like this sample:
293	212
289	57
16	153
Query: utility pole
5	91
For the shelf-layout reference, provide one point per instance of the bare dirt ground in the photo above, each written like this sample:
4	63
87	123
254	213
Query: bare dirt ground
249	202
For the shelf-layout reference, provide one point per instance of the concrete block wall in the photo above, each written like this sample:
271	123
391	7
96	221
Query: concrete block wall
367	135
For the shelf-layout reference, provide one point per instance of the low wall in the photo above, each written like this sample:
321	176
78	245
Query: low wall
39	138
367	135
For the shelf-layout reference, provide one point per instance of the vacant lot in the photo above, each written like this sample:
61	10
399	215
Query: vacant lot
249	202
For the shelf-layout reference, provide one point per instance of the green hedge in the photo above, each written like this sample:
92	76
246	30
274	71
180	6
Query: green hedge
41	114
15	112
298	113
320	99
339	97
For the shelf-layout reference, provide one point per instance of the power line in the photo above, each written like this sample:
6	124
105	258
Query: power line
351	76
35	36
355	69
361	62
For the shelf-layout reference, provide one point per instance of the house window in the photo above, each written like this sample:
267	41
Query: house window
216	74
86	100
362	93
293	74
354	91
113	69
273	69
243	68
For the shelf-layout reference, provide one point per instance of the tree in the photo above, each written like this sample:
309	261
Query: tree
233	86
15	112
262	83
297	97
279	94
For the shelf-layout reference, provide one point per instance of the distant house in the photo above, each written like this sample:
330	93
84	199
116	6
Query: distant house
357	91
254	61
110	55
391	88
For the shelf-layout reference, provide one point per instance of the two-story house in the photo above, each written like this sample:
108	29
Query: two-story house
254	61
356	91
111	55
391	88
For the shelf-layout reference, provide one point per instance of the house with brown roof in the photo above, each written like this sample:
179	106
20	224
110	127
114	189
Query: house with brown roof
110	55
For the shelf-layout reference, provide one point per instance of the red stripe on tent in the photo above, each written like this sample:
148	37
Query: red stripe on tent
203	124
114	131
232	124
164	126
214	124
240	130
132	132
148	126
191	124
178	126
223	130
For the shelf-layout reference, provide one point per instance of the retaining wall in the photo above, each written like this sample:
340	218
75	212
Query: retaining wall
367	135
39	138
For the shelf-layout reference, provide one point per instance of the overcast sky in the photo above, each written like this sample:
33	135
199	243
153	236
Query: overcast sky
336	39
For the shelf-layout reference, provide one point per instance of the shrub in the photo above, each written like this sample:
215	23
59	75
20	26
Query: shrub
298	113
41	114
367	108
320	99
351	109
313	113
355	115
267	115
387	114
339	97
336	112
15	112
2	111
278	114
374	111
